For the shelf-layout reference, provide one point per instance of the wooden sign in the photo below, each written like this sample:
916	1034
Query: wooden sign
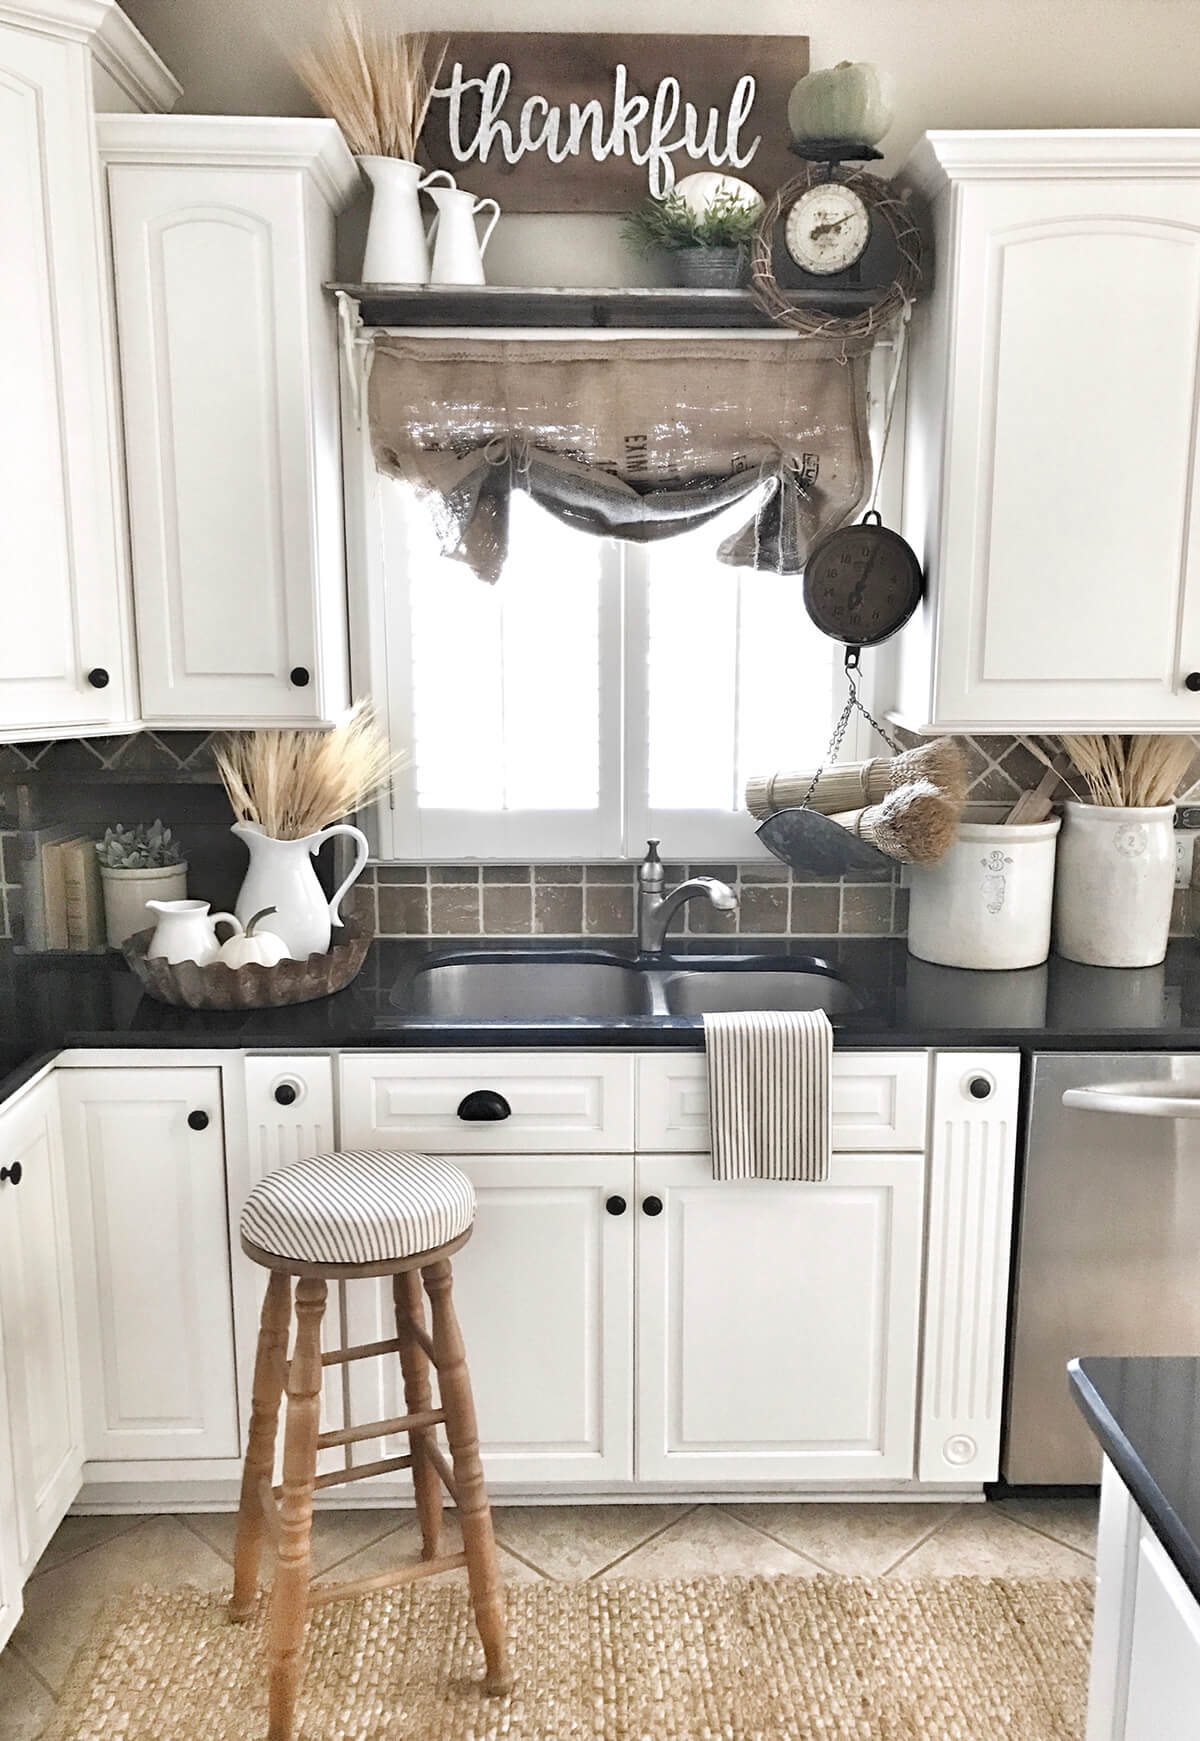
566	122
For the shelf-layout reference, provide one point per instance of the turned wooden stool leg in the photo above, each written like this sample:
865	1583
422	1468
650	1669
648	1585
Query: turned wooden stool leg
418	1399
475	1515
259	1467
289	1597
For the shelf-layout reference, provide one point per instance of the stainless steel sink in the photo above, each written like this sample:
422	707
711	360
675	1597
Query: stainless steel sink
519	989
713	990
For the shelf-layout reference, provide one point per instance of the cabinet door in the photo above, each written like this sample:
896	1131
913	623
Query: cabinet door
61	536
1164	1656
228	369
777	1323
152	1254
1064	562
37	1307
10	1563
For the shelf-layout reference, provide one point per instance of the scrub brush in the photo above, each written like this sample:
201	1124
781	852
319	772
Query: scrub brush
939	764
915	823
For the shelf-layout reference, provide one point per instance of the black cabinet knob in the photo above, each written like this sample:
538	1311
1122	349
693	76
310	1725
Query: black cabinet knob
285	1094
299	676
198	1120
98	677
12	1175
483	1105
652	1206
979	1088
616	1205
1192	681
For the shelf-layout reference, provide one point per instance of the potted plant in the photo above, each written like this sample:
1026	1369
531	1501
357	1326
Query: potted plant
377	84
138	864
704	226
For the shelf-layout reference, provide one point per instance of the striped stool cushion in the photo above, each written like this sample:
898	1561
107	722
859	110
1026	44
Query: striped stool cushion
358	1207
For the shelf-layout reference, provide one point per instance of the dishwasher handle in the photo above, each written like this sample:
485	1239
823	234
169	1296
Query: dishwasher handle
1142	1099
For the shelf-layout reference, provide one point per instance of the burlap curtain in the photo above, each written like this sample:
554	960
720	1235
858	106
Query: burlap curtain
633	438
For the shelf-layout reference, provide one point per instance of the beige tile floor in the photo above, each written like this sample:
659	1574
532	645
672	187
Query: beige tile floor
93	1558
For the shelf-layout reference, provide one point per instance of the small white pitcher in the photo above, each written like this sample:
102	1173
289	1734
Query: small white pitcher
457	251
397	249
282	875
187	931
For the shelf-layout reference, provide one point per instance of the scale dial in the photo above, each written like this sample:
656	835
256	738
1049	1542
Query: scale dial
862	583
827	229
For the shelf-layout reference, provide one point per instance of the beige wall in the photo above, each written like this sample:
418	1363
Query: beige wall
956	63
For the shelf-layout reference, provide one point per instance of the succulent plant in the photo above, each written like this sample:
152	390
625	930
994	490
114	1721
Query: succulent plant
145	846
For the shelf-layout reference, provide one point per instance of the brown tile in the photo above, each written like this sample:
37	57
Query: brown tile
359	905
454	873
608	911
724	873
816	909
764	910
404	912
900	899
506	873
1181	913
993	787
453	911
867	909
508	912
610	873
771	872
558	873
401	873
705	920
558	911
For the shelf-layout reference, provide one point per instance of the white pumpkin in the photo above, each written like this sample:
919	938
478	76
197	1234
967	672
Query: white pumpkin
255	948
846	103
698	191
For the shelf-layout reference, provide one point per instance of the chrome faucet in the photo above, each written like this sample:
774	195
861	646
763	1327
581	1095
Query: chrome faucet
656	909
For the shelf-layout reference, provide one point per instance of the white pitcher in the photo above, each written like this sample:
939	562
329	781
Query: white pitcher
187	931
457	251
397	250
282	875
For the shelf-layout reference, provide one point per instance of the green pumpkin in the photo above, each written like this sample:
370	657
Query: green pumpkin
844	102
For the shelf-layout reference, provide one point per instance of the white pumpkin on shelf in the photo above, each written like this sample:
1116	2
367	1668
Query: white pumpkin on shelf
698	191
843	104
255	948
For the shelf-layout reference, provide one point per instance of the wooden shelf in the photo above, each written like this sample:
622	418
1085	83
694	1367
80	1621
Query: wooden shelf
501	305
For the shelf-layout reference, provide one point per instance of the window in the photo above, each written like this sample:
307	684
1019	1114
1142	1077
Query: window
599	694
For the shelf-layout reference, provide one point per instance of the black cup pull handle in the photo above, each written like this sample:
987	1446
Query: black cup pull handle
483	1105
98	677
198	1120
652	1206
1192	681
285	1094
979	1088
299	676
616	1205
12	1175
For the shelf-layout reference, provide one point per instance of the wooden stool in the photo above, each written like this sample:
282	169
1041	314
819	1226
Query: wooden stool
337	1218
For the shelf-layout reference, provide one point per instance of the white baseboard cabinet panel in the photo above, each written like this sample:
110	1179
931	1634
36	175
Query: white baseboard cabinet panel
972	1166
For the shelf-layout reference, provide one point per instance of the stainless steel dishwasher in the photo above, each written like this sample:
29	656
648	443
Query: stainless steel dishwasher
1108	1253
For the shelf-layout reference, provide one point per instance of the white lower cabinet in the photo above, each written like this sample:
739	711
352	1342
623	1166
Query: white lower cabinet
10	1562
151	1241
778	1323
37	1320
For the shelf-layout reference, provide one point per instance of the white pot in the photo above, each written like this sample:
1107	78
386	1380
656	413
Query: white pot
1116	880
397	249
281	875
127	891
988	902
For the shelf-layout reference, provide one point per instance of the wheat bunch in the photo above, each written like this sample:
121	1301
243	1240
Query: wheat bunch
1137	770
293	783
376	84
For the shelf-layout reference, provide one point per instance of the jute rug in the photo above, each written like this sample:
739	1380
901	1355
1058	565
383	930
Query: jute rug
708	1659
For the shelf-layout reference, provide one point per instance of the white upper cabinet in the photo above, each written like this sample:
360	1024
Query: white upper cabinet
1051	463
66	662
222	236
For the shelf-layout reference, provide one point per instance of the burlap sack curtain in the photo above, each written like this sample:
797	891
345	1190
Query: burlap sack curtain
628	438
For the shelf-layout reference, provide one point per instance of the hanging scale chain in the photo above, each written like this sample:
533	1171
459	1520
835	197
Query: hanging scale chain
854	704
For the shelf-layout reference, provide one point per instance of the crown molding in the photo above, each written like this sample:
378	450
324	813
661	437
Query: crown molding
236	141
1085	153
119	47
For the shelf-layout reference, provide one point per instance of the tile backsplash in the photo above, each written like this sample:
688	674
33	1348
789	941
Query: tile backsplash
78	779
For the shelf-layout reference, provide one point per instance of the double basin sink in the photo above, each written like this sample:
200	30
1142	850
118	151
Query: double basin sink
524	987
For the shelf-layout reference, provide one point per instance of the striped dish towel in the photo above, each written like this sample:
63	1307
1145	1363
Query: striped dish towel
769	1094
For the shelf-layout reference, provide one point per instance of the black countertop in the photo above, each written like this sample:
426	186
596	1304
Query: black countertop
49	1001
1145	1411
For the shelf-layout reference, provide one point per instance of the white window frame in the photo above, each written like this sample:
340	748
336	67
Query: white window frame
381	666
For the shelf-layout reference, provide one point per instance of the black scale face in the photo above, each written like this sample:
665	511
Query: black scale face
862	583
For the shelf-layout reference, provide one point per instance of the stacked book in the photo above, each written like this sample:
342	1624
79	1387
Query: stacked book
64	906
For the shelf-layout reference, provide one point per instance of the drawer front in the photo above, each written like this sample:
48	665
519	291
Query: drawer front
879	1101
568	1103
